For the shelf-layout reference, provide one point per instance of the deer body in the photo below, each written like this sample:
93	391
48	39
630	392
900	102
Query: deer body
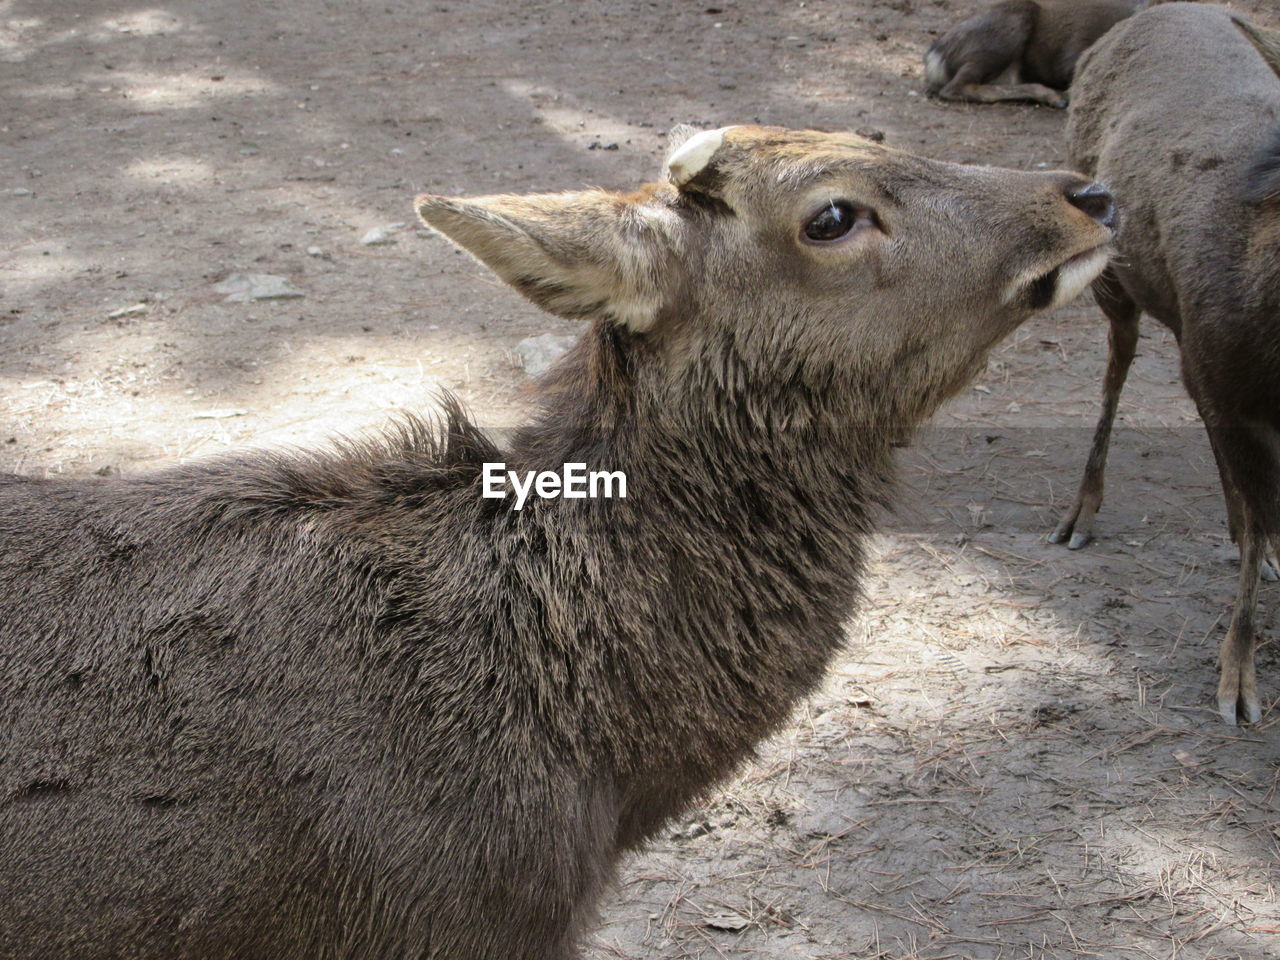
304	643
1197	179
1020	49
342	705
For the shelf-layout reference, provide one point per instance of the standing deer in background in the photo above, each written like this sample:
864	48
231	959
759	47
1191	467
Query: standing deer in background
1019	49
1199	179
343	705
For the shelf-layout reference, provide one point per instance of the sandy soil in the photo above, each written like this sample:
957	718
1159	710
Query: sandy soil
1017	757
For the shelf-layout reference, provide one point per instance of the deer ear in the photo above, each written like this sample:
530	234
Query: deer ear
577	255
1266	41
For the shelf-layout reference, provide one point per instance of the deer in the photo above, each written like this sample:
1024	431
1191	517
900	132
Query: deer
344	703
1019	50
1200	182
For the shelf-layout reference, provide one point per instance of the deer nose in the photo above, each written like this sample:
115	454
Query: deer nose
1096	201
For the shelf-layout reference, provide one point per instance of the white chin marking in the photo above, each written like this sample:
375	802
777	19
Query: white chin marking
1072	278
1075	276
694	154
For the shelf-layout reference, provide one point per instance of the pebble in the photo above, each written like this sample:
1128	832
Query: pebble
244	287
730	921
379	236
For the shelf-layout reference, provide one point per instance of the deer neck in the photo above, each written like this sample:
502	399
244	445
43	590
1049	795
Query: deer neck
718	590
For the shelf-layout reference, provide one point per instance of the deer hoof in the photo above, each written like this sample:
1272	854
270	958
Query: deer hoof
1237	702
1063	531
1235	711
1075	529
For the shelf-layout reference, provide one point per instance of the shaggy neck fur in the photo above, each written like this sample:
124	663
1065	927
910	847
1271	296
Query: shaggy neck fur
712	598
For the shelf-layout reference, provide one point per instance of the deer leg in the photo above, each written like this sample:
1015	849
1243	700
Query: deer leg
1267	565
1248	457
1035	92
1076	525
1237	681
966	86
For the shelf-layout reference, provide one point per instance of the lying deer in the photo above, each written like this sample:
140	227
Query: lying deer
341	704
1200	181
1019	49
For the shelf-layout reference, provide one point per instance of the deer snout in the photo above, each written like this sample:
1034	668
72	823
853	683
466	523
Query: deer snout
1096	201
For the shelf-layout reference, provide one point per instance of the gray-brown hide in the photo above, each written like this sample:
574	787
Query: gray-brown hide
1019	49
1198	177
339	704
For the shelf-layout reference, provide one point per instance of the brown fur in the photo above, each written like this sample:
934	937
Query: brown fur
339	705
1020	49
1200	249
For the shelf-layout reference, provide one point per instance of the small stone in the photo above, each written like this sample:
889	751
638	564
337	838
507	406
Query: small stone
538	354
20	192
244	287
380	236
731	922
871	133
249	150
134	310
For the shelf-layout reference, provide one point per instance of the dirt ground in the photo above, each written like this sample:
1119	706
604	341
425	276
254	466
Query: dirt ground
1017	756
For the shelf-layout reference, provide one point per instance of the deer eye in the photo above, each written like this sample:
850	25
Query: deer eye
835	220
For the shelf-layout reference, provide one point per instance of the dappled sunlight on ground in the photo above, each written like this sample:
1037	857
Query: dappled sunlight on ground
152	22
170	171
151	89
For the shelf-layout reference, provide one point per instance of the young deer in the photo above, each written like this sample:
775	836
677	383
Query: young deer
1199	178
1019	49
343	705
